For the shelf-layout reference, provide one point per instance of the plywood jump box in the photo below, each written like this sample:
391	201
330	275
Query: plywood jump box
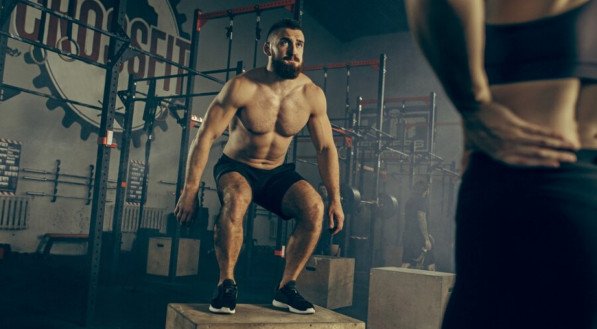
403	298
197	316
328	281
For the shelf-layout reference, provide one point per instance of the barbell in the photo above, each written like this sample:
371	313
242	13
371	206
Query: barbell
386	204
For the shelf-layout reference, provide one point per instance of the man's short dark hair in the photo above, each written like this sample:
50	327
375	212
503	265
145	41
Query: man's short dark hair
286	23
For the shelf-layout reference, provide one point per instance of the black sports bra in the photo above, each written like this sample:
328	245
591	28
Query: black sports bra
549	48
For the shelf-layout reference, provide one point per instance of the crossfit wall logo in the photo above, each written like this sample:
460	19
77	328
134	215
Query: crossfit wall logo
152	25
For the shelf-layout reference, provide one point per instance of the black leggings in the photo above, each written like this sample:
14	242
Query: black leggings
526	247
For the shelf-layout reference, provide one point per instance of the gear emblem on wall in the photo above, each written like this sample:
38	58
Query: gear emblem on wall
153	25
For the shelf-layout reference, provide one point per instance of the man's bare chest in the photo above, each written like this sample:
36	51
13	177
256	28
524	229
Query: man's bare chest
265	113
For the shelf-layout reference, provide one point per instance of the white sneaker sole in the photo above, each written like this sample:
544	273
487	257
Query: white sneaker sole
222	310
278	304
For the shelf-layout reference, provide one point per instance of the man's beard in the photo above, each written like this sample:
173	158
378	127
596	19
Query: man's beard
286	71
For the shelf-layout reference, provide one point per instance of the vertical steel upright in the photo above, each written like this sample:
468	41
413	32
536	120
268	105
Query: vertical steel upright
6	8
381	87
431	125
229	36
351	159
257	34
125	145
185	136
149	117
103	158
298	11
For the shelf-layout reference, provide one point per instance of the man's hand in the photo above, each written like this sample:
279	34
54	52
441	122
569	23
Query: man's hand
336	215
185	208
498	132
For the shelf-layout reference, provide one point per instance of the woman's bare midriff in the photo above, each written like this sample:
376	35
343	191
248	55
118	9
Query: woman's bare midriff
565	105
562	105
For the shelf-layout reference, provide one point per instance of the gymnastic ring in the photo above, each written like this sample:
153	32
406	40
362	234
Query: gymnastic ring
73	42
42	51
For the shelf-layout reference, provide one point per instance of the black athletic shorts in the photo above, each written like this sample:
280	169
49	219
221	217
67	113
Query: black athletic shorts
269	186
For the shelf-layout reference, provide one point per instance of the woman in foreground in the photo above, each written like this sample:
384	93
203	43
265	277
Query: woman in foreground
523	76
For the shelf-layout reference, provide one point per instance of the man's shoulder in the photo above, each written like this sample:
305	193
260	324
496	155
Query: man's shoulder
249	77
243	82
309	87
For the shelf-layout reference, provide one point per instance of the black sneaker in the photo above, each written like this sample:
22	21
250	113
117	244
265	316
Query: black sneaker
224	298
289	298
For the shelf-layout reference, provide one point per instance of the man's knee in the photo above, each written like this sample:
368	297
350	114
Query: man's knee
234	208
311	215
235	195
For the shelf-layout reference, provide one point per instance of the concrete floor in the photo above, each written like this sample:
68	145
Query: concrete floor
39	292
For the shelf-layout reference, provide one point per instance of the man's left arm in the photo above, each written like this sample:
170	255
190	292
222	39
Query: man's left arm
320	130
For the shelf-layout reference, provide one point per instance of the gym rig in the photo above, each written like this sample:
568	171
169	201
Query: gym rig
121	50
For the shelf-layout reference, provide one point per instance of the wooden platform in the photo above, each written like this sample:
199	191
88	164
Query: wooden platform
48	239
328	281
404	298
197	316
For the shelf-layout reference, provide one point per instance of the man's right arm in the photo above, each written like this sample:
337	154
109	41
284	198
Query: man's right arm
218	116
422	219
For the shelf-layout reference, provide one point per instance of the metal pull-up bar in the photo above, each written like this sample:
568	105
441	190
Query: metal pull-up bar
203	18
424	99
374	63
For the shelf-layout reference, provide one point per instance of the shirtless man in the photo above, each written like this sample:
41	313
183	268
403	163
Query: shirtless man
263	109
523	75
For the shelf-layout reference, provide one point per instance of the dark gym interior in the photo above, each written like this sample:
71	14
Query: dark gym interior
82	211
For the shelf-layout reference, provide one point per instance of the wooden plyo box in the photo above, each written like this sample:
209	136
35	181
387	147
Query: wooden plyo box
197	316
328	281
402	298
158	256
